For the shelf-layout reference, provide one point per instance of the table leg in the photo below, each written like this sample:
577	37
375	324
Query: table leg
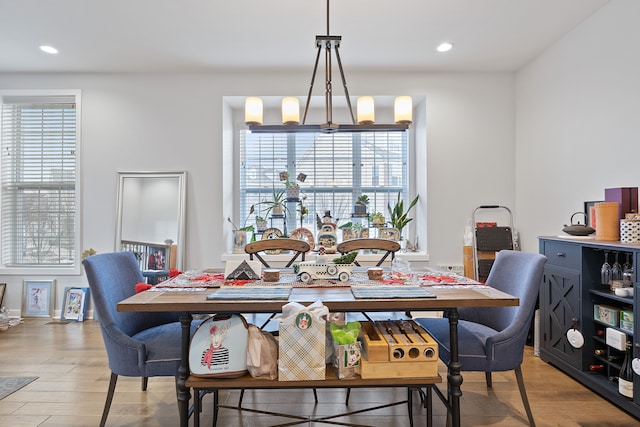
184	393
454	378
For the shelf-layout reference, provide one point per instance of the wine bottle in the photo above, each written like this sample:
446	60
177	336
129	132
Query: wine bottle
625	380
596	368
600	352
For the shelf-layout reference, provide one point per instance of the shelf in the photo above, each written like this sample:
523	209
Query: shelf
331	381
611	296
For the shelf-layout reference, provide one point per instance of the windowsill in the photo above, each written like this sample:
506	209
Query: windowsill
363	259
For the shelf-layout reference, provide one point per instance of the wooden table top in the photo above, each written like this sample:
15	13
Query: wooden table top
337	299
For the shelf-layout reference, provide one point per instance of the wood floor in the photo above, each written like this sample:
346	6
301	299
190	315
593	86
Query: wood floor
70	360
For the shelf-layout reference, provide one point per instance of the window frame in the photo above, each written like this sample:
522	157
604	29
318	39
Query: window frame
355	144
74	267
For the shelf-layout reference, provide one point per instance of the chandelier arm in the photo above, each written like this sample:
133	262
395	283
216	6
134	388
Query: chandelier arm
344	85
328	92
313	78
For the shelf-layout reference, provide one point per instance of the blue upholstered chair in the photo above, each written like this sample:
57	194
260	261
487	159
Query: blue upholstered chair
492	339
138	344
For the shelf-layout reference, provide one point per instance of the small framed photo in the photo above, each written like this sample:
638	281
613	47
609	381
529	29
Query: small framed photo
590	212
75	304
3	288
38	298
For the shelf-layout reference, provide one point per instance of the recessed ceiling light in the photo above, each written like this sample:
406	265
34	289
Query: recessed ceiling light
444	47
49	49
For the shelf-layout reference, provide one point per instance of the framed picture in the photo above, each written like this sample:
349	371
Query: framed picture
38	298
3	287
590	212
75	304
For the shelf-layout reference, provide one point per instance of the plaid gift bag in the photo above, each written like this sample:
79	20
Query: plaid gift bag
302	342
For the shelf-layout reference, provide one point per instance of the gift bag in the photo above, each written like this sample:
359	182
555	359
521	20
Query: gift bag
302	342
219	347
347	359
262	354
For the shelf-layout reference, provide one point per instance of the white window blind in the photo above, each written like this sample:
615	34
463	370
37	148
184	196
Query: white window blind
339	168
38	178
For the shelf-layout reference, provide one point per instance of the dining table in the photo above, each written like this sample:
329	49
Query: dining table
210	292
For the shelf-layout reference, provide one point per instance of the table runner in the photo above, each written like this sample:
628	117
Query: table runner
431	278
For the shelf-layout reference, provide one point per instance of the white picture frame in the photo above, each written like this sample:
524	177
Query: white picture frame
38	298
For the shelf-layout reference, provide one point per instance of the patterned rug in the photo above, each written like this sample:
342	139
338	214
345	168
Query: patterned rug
9	385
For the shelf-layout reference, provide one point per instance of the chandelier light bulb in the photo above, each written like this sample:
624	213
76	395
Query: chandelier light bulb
290	111
366	110
253	111
403	109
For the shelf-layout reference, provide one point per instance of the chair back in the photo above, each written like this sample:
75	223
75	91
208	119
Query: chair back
518	274
299	247
389	246
112	278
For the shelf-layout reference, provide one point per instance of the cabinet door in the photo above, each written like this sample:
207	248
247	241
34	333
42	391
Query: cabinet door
560	304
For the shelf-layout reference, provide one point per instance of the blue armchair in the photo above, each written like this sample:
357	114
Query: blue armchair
492	339
138	344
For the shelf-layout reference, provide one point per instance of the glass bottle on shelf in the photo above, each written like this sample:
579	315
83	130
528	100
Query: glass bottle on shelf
605	271
625	379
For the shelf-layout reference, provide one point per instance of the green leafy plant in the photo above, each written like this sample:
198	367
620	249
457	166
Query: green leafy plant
377	217
362	200
278	200
346	258
398	214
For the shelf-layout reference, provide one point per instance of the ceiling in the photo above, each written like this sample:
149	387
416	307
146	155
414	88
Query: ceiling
206	35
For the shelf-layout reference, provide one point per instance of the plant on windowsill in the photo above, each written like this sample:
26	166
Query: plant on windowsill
277	205
377	219
399	216
261	223
360	207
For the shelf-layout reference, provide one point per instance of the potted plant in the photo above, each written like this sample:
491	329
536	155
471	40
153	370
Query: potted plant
261	223
398	215
360	208
293	191
377	218
277	205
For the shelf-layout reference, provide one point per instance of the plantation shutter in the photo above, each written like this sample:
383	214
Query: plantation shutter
38	178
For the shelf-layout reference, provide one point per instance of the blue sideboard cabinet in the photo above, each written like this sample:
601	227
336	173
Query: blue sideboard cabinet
571	287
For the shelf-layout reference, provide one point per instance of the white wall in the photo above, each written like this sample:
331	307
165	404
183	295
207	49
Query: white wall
174	122
578	121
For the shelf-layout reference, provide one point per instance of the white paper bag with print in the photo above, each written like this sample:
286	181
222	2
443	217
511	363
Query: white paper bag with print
302	342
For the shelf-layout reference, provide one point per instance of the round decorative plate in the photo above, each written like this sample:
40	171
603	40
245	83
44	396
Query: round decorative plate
303	234
271	233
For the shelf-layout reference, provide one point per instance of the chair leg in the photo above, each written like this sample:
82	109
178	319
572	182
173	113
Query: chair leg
145	382
487	377
241	397
523	394
107	403
315	395
346	402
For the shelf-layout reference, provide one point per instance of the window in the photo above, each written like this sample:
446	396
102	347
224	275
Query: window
39	169
339	168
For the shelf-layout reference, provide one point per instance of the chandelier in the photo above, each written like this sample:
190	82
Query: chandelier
364	121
